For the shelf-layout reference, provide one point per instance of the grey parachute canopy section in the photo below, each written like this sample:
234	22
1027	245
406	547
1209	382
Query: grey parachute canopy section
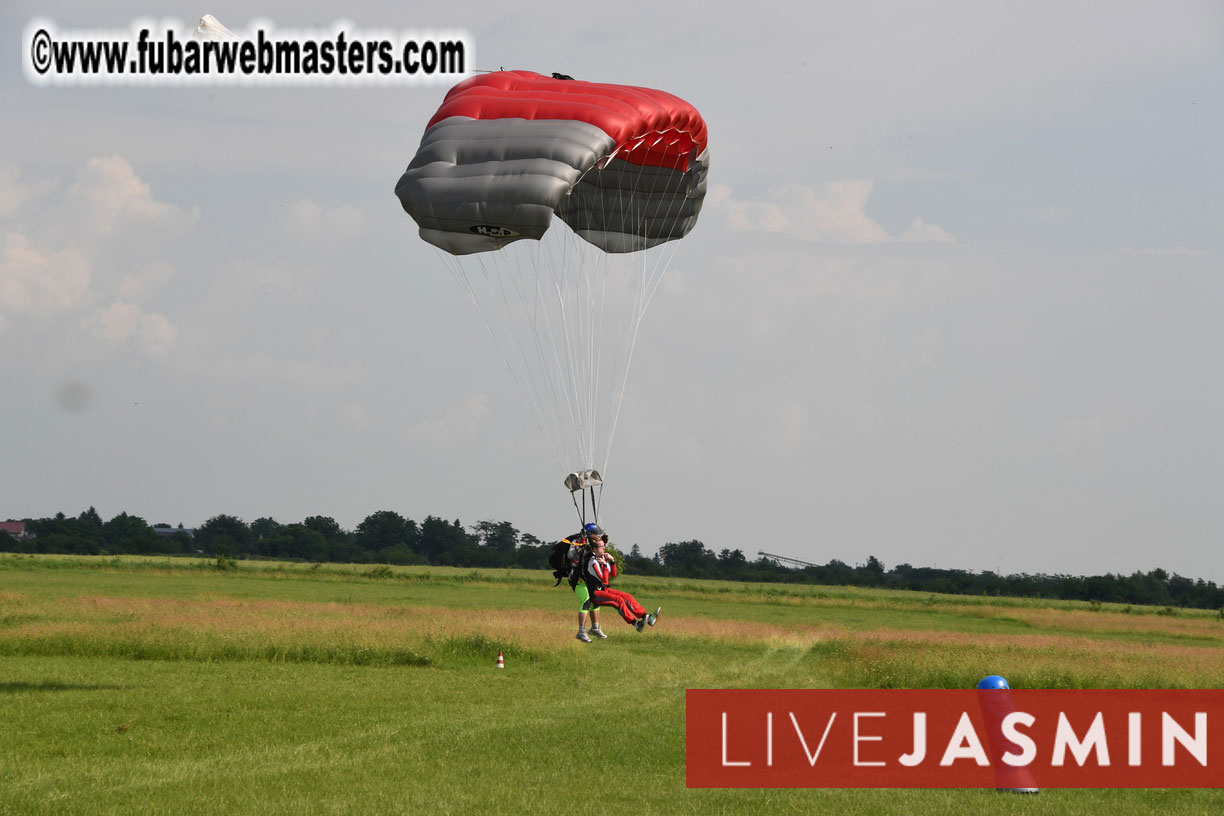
624	167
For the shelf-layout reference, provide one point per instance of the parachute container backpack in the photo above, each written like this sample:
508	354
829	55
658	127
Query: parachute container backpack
623	168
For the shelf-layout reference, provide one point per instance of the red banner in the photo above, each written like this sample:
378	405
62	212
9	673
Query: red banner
998	738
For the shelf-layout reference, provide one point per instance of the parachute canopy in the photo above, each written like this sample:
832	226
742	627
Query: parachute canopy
625	168
507	150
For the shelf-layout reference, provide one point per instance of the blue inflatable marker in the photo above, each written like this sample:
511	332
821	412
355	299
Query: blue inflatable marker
1010	780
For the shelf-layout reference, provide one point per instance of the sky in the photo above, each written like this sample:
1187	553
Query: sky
952	300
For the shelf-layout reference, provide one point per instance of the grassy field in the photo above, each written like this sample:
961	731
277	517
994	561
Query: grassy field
134	685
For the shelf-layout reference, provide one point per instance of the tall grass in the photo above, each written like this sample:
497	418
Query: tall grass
177	609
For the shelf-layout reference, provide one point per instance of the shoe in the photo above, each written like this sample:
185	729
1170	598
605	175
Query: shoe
654	616
599	633
639	624
583	636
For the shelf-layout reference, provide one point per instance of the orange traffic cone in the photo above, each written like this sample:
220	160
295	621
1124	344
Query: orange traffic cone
501	661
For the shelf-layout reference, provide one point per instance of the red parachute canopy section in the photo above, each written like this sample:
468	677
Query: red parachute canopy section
648	127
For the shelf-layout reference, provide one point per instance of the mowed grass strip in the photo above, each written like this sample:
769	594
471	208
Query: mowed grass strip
156	737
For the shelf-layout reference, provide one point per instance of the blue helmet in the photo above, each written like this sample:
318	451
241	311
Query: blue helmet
993	681
592	531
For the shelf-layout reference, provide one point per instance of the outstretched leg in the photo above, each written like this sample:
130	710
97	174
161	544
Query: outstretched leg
625	604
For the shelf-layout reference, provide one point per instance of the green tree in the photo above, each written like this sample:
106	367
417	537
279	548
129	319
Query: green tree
443	542
640	564
224	535
497	535
130	534
265	533
532	553
386	530
324	526
872	573
340	546
265	527
688	558
304	543
81	535
731	559
91	519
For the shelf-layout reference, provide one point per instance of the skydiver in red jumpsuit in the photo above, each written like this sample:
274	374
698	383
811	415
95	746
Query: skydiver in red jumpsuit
599	572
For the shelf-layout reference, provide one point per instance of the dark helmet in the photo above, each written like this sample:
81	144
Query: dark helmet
592	531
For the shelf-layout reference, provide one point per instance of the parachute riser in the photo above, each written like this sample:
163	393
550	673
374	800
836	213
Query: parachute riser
582	511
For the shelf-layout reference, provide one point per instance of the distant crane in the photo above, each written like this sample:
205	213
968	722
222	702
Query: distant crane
794	562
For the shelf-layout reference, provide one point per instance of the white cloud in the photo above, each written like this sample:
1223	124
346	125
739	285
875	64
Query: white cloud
14	194
108	199
156	334
834	212
309	222
144	281
122	321
103	239
34	281
920	232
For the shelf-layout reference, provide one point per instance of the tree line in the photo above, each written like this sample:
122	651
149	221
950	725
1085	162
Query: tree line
387	537
691	559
